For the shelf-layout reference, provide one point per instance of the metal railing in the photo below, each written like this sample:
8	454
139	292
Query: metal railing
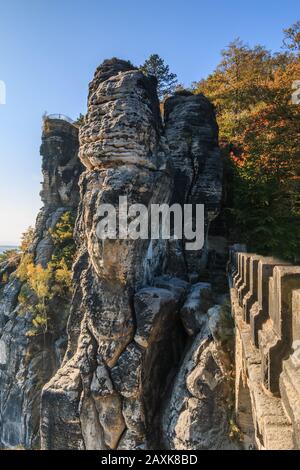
63	117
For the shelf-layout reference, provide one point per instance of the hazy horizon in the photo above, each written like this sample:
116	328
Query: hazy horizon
6	247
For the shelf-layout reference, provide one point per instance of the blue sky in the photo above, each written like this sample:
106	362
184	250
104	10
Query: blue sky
50	49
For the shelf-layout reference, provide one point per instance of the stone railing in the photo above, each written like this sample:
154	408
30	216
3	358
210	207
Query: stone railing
265	297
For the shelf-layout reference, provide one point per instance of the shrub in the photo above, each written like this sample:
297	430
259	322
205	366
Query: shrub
41	285
27	239
62	237
8	255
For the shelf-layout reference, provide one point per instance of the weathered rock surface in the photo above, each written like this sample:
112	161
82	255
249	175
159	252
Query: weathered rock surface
27	363
125	336
193	312
137	303
192	135
61	170
195	416
121	149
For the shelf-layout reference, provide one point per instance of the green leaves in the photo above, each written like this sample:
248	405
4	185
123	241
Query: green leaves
62	237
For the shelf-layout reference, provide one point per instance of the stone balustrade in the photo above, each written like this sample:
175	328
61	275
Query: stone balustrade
265	297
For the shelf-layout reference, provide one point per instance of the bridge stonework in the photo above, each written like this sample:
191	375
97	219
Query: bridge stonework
265	300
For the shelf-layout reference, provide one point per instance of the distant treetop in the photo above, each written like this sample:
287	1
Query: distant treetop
291	39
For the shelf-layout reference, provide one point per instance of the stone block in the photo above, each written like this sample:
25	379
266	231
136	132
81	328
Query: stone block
252	295
233	258
238	279
276	337
260	309
289	382
245	286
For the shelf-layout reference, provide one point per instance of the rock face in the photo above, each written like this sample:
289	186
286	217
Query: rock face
27	363
195	415
146	359
125	335
120	146
192	135
60	193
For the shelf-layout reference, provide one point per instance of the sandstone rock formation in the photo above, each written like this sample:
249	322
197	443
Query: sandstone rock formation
27	363
192	135
142	365
145	361
125	335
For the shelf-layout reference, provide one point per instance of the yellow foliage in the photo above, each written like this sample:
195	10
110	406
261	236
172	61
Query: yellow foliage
41	285
22	271
39	280
63	275
27	239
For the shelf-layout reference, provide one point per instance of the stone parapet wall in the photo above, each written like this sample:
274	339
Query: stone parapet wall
265	298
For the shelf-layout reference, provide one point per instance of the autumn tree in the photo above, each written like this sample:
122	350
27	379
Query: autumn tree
43	286
27	239
291	39
260	137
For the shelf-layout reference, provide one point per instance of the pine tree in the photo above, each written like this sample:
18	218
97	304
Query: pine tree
166	81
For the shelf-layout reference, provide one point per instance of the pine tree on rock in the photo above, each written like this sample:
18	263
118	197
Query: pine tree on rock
166	81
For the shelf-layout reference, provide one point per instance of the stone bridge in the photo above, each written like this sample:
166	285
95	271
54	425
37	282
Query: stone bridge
265	298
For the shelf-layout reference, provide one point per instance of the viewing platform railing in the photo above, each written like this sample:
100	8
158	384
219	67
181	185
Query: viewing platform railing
62	117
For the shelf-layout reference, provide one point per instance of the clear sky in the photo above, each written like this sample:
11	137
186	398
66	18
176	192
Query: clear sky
49	50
